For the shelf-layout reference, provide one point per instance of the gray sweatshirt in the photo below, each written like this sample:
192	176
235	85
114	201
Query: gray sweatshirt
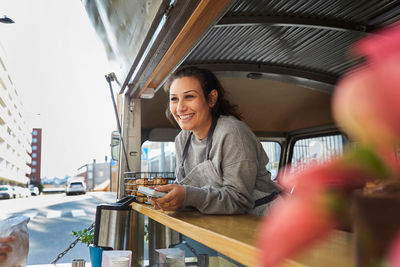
233	178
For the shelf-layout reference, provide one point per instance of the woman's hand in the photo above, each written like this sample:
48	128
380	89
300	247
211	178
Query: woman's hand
173	200
4	247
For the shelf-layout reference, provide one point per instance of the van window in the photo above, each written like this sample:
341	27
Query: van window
158	157
273	150
316	150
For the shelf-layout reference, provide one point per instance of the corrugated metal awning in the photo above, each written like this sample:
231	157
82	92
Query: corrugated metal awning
305	39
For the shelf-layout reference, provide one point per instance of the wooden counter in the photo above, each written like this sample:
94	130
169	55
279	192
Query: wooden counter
235	236
231	235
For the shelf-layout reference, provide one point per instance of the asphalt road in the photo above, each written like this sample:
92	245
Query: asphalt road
52	218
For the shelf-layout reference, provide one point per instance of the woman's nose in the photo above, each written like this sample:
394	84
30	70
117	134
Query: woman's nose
181	105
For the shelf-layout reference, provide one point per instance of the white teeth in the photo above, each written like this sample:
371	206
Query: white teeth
183	117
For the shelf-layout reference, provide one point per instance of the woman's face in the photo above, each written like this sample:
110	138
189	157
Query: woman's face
189	107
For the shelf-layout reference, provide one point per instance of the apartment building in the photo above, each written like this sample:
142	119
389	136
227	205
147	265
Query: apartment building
36	155
15	136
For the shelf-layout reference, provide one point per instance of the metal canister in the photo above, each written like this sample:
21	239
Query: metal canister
78	263
112	227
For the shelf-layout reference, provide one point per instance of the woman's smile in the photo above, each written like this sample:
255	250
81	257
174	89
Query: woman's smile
186	117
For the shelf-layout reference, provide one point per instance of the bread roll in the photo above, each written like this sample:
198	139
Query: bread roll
141	199
142	181
161	181
129	184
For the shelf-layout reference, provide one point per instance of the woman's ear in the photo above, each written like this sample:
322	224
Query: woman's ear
212	98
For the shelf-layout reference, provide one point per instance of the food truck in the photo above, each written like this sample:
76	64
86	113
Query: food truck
278	60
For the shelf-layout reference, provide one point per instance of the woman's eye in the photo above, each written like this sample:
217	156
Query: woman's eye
173	99
189	96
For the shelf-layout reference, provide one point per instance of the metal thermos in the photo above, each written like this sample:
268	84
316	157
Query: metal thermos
78	263
112	225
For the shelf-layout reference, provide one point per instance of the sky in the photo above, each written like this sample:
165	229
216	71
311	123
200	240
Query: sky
58	64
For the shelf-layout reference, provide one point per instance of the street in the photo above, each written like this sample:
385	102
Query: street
52	218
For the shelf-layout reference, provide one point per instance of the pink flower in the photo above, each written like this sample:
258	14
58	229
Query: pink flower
308	215
292	224
393	259
381	45
344	175
366	102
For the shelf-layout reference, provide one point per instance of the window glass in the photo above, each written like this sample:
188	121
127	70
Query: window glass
34	162
273	150
316	150
158	157
154	165
34	147
34	155
34	132
34	140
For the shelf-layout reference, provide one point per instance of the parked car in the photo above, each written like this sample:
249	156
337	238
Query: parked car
75	186
7	192
34	190
25	192
21	192
16	191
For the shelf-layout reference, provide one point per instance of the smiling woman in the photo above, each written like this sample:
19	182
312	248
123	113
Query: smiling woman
221	164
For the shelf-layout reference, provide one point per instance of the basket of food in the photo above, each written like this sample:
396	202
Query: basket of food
132	181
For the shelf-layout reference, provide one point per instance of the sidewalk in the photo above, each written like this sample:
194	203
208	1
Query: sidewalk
87	264
107	197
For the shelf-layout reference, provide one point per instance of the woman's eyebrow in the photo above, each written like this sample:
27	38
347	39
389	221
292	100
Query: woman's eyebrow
186	92
189	91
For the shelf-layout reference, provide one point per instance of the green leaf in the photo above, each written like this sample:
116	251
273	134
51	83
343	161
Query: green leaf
366	158
85	236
